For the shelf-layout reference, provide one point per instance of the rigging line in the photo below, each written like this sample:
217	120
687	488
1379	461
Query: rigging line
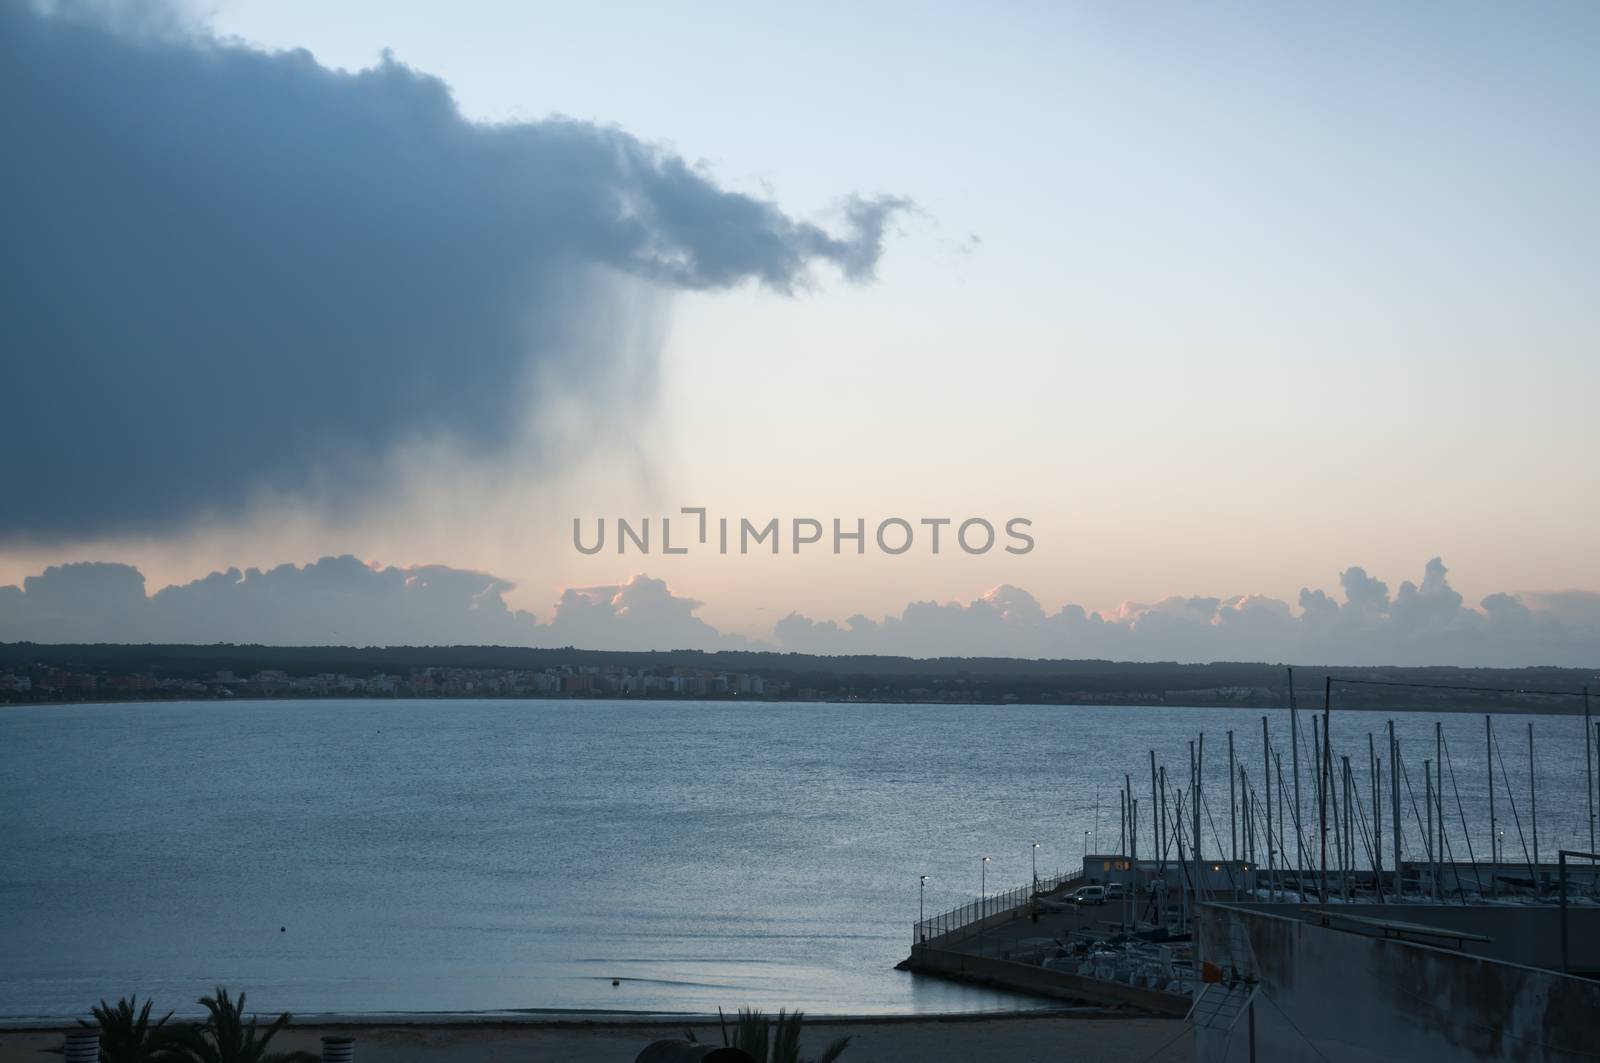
1461	809
1256	814
1294	762
1270	839
1358	819
1176	817
1313	762
1446	849
1152	907
1197	883
1274	843
1283	851
1228	1041
1337	821
1300	838
1187	1029
1405	777
1511	795
1252	819
1416	814
1206	805
1294	1026
1366	842
1444	835
1329	821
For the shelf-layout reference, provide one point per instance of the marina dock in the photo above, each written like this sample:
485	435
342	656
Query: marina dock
1343	915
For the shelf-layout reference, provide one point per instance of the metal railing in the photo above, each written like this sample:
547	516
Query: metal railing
981	908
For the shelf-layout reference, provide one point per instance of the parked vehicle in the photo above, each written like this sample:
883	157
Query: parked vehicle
1115	891
1085	895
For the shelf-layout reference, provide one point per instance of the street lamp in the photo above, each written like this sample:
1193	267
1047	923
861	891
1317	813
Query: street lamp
1036	867
1086	845
983	888
922	884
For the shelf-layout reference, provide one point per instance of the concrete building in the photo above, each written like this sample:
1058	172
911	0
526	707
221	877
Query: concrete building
1341	984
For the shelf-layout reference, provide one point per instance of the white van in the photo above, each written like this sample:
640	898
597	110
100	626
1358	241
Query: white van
1088	895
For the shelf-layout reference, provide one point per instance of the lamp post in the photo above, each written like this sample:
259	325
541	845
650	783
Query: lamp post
1036	867
1086	845
983	900
1097	813
922	930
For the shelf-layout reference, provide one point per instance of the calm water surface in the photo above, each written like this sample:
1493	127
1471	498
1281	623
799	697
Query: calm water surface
500	855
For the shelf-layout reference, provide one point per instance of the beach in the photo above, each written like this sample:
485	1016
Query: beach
1060	1038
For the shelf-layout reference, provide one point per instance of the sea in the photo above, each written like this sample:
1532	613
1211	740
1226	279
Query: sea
547	857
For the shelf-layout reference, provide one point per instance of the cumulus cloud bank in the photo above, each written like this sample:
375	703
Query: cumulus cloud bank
1421	624
233	273
341	600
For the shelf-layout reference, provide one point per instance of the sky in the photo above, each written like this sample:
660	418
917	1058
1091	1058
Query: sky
1228	302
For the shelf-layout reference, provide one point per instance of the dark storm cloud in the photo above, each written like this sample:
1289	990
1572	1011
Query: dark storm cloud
230	272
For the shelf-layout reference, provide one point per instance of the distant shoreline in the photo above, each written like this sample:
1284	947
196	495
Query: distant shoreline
1505	710
33	673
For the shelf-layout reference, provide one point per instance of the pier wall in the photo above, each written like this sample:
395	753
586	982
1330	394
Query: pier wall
1028	978
1350	998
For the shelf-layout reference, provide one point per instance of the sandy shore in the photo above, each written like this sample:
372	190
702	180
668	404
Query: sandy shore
954	1039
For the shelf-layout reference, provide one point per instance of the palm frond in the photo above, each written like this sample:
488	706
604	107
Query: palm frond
189	1043
752	1033
126	1033
272	1031
786	1037
774	1040
227	1038
834	1050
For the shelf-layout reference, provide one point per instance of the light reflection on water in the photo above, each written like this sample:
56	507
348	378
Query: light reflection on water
505	855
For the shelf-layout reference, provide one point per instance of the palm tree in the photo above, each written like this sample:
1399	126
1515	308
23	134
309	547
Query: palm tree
776	1040
227	1038
127	1035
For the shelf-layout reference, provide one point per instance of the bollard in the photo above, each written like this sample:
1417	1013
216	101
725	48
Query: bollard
83	1046
338	1049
